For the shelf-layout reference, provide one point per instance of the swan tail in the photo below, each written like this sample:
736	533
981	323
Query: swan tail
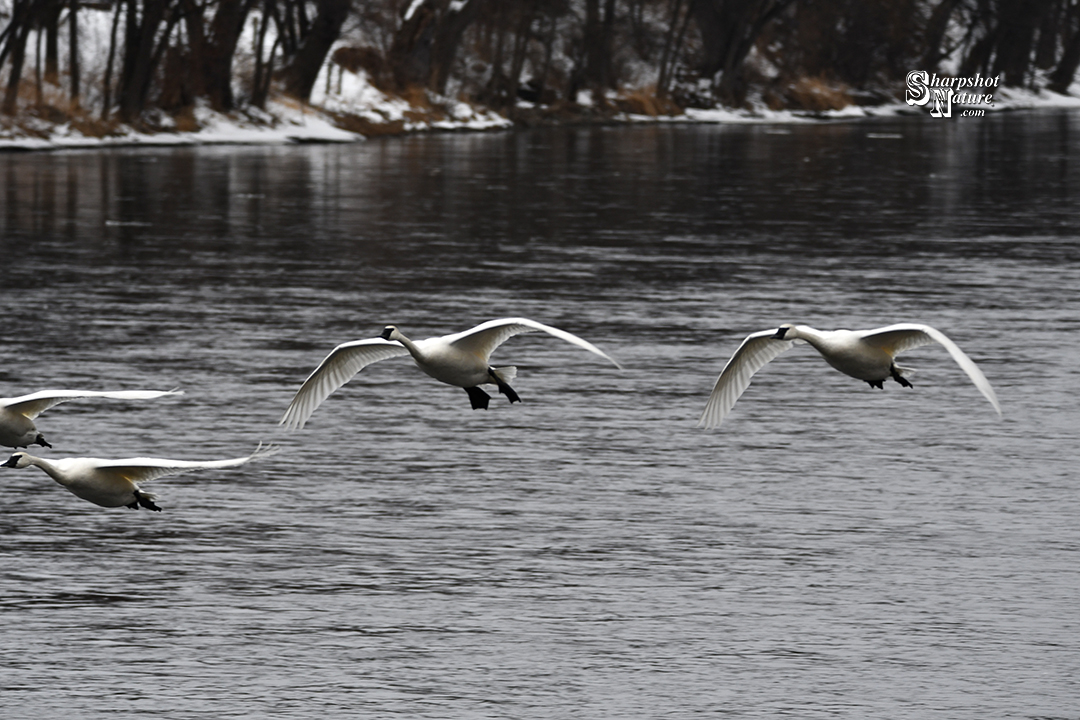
506	374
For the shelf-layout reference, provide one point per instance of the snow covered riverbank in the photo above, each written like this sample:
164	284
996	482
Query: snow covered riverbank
356	110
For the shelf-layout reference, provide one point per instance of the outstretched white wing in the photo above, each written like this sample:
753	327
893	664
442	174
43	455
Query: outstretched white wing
485	337
34	404
335	370
905	336
754	353
140	469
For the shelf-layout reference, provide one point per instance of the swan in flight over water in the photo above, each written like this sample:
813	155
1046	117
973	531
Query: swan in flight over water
461	359
115	483
17	414
864	354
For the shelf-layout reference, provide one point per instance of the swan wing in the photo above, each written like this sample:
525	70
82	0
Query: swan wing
34	404
485	337
905	336
335	370
143	469
895	339
755	352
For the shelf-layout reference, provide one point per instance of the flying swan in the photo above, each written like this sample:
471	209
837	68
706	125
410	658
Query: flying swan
460	359
115	483
17	414
863	354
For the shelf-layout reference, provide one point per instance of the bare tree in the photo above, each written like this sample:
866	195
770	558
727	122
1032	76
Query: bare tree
74	65
1065	71
23	15
211	48
302	68
424	48
145	41
729	29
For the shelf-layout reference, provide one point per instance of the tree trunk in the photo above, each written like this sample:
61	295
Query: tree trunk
447	40
136	72
1046	48
300	74
38	100
1017	23
258	97
51	22
717	21
426	44
672	45
592	37
17	44
74	66
106	106
607	37
729	29
1062	76
935	33
211	54
521	45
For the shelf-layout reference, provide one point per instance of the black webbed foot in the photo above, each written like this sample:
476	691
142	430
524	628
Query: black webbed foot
503	387
509	393
879	384
904	382
478	398
145	502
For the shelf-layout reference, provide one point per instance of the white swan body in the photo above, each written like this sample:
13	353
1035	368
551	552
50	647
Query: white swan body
460	360
864	354
115	483
17	414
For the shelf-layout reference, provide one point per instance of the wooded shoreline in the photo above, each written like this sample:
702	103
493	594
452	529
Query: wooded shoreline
106	67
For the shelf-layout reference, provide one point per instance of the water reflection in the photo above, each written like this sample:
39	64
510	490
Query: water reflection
726	183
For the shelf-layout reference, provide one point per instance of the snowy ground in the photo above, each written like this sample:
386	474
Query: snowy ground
351	95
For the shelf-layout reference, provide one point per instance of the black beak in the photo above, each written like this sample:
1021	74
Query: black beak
386	333
11	461
780	334
41	441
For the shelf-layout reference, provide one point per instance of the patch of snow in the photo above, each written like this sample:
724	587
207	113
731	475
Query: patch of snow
412	9
1019	98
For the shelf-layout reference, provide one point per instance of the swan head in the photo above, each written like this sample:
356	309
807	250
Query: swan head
18	460
390	332
785	332
40	440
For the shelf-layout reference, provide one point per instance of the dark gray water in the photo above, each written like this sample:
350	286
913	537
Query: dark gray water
831	551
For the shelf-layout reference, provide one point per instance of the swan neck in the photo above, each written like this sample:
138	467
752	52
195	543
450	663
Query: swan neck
808	334
48	467
409	344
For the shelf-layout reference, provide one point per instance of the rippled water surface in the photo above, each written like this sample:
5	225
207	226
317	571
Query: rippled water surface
831	551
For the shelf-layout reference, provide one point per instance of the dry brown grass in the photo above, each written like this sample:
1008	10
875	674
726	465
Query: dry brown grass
41	119
416	96
645	101
367	127
816	95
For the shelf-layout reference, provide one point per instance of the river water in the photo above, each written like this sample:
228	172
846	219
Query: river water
830	551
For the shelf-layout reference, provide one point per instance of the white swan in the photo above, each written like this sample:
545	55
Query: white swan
17	414
460	359
864	354
114	483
